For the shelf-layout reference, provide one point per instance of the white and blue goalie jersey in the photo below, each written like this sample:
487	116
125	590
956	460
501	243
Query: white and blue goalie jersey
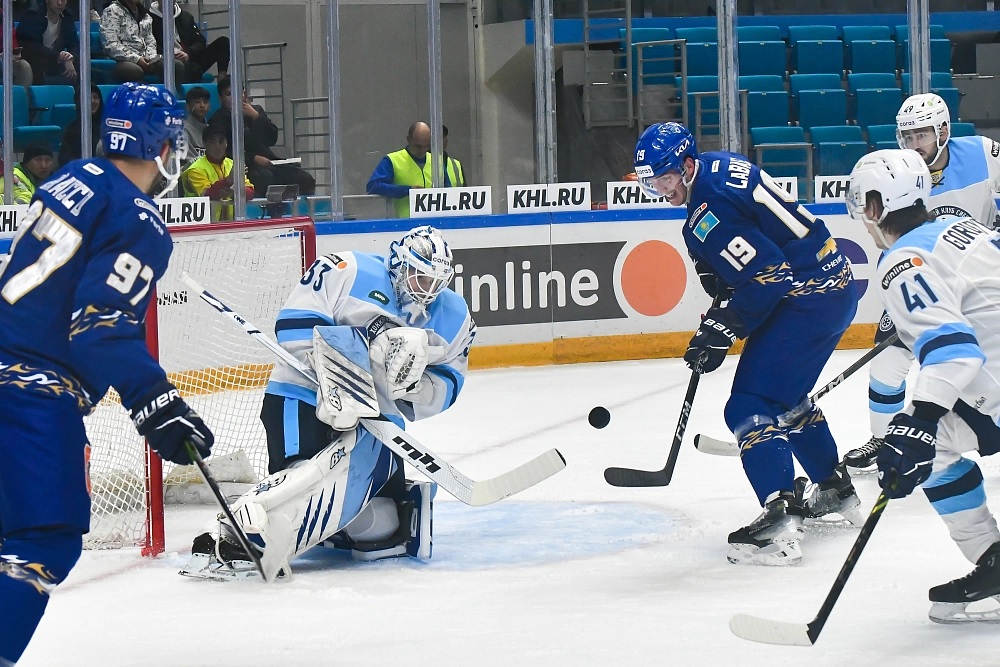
941	285
355	289
74	292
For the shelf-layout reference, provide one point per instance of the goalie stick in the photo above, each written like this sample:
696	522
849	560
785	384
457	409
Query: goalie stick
234	527
633	477
766	631
469	491
709	445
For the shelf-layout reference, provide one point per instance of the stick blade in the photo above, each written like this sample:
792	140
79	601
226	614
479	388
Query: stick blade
538	469
633	477
767	631
708	445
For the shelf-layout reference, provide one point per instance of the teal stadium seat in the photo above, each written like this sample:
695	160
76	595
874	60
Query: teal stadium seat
837	148
818	56
784	151
817	99
869	48
767	100
24	132
698	34
758	33
659	63
53	105
762	57
882	136
702	58
963	130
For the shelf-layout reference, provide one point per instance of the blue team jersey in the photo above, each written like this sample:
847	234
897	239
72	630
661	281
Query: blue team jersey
758	238
74	292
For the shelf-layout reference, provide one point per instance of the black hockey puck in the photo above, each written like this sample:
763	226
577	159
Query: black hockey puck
599	417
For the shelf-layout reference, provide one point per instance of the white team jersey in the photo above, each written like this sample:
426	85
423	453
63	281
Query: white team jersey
966	187
941	285
355	289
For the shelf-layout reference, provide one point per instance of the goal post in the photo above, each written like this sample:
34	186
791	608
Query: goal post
253	264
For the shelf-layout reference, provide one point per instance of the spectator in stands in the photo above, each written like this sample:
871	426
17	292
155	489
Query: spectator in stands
211	174
197	100
127	36
35	168
191	45
22	70
71	146
454	174
259	135
50	41
407	168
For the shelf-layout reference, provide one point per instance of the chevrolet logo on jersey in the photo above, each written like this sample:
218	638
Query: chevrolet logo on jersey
707	224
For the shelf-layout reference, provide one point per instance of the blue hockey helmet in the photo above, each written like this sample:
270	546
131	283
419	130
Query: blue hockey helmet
662	147
138	119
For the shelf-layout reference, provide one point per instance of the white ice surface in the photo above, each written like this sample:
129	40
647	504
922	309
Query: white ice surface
571	572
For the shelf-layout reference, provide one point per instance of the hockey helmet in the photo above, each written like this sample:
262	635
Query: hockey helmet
900	177
662	147
420	264
921	120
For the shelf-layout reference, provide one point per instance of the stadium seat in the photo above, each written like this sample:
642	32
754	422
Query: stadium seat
938	80
698	34
53	105
940	55
857	80
758	33
100	70
763	57
106	89
798	82
798	33
871	81
852	33
941	83
784	151
882	136
837	149
902	32
767	100
26	133
877	106
702	58
818	56
952	97
656	60
703	97
821	107
876	55
963	130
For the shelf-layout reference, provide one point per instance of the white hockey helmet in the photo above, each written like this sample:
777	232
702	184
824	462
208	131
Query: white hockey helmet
420	264
901	179
921	120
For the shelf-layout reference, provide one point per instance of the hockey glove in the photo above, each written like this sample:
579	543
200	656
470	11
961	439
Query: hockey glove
166	421
908	453
712	283
718	332
402	353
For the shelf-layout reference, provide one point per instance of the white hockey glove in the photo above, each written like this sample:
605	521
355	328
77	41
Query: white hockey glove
346	391
402	353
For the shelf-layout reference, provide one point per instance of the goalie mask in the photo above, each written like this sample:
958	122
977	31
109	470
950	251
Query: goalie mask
923	124
420	265
885	181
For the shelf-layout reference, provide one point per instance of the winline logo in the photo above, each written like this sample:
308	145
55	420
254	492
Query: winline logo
569	282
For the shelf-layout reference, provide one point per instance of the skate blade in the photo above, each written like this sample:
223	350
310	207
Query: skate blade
864	470
779	553
955	613
204	566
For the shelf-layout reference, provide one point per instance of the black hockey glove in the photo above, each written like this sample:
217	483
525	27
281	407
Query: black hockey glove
713	285
166	421
708	348
909	449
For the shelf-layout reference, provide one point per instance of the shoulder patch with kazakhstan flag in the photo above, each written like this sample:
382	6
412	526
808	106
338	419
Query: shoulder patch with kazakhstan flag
705	225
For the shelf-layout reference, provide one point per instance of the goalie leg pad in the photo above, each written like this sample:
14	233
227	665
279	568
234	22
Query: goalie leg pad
346	387
413	535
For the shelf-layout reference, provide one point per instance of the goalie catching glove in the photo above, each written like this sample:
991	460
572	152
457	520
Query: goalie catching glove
167	422
402	353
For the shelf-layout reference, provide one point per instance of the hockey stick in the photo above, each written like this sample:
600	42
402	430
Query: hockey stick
233	526
633	477
766	631
710	445
469	491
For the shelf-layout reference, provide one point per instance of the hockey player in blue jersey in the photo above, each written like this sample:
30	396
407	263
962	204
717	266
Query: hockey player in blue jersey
938	281
965	177
405	338
792	298
74	295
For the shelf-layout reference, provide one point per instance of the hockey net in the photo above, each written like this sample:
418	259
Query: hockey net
219	370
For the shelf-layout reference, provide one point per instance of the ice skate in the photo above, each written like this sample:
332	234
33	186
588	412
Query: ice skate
222	560
862	459
773	537
950	601
832	496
